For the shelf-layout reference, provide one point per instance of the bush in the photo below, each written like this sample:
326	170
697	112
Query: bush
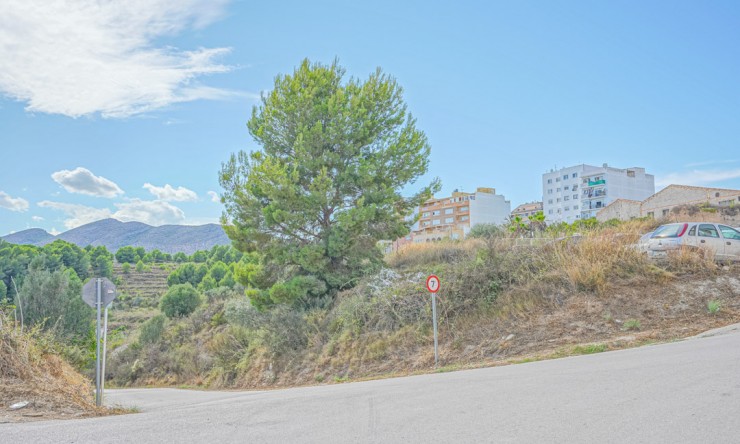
714	306
180	300
151	330
126	267
632	324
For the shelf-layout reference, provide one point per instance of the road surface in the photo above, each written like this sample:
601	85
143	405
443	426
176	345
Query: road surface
686	391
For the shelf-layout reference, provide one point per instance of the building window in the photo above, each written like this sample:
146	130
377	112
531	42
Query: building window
565	177
449	210
449	220
425	214
575	207
463	209
651	214
575	175
575	187
665	212
436	222
566	188
464	217
549	201
558	199
549	191
436	212
557	179
549	212
566	198
549	180
575	196
425	223
567	208
558	190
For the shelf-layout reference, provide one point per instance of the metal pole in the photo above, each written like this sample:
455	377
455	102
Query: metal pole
434	319
98	286
105	343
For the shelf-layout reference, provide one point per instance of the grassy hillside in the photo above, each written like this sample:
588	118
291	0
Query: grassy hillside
31	371
502	300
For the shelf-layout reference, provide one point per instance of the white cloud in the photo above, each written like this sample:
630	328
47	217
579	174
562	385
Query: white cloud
37	218
697	177
152	212
83	181
167	192
54	232
13	203
84	57
78	214
214	196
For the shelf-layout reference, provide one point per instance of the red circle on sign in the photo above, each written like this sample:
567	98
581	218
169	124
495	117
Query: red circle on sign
433	283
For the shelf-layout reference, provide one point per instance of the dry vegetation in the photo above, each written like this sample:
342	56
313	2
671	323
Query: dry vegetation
503	300
31	371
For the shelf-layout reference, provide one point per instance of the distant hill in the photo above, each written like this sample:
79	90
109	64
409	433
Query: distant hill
34	236
114	234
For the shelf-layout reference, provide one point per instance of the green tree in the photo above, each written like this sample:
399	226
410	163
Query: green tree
52	299
140	266
3	292
180	257
126	255
126	267
103	267
180	300
326	185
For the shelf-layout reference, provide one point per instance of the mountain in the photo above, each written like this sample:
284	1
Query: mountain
34	236
114	234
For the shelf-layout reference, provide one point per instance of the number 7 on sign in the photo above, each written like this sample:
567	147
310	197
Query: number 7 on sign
433	283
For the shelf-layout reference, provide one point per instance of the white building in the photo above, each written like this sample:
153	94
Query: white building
580	191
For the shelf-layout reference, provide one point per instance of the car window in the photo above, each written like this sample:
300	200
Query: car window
706	230
692	231
729	232
670	230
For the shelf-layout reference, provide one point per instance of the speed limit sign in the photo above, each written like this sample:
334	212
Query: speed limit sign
433	283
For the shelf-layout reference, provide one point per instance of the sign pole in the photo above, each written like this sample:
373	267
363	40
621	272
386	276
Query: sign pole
434	319
105	343
97	344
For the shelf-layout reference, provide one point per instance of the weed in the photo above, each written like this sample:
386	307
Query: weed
714	306
589	349
631	324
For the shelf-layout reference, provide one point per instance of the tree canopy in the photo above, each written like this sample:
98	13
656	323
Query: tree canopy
326	185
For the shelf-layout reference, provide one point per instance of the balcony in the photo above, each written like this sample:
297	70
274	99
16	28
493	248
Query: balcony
593	183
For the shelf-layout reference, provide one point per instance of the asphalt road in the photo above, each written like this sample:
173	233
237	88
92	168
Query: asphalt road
686	391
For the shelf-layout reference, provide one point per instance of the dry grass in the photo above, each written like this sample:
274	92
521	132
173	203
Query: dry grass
30	371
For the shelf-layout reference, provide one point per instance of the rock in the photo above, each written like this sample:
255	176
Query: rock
510	337
18	405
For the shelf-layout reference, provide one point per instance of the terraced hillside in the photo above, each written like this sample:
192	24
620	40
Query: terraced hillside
142	288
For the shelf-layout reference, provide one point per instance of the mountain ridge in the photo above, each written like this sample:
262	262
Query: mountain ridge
114	234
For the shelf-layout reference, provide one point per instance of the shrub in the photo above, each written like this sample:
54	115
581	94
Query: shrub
714	306
632	324
180	300
151	330
126	267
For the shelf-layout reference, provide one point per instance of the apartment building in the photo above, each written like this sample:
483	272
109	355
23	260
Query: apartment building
454	216
526	210
580	191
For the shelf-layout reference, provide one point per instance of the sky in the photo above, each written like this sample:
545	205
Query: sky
128	109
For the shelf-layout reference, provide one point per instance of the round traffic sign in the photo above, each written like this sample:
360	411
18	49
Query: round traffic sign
433	283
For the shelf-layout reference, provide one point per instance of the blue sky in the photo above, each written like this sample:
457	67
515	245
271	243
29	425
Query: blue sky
128	111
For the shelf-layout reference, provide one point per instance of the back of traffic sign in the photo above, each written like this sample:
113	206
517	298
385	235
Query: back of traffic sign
107	292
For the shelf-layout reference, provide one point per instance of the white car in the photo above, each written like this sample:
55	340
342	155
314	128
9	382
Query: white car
722	240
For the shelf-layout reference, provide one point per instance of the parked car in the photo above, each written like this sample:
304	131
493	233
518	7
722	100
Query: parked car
722	240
